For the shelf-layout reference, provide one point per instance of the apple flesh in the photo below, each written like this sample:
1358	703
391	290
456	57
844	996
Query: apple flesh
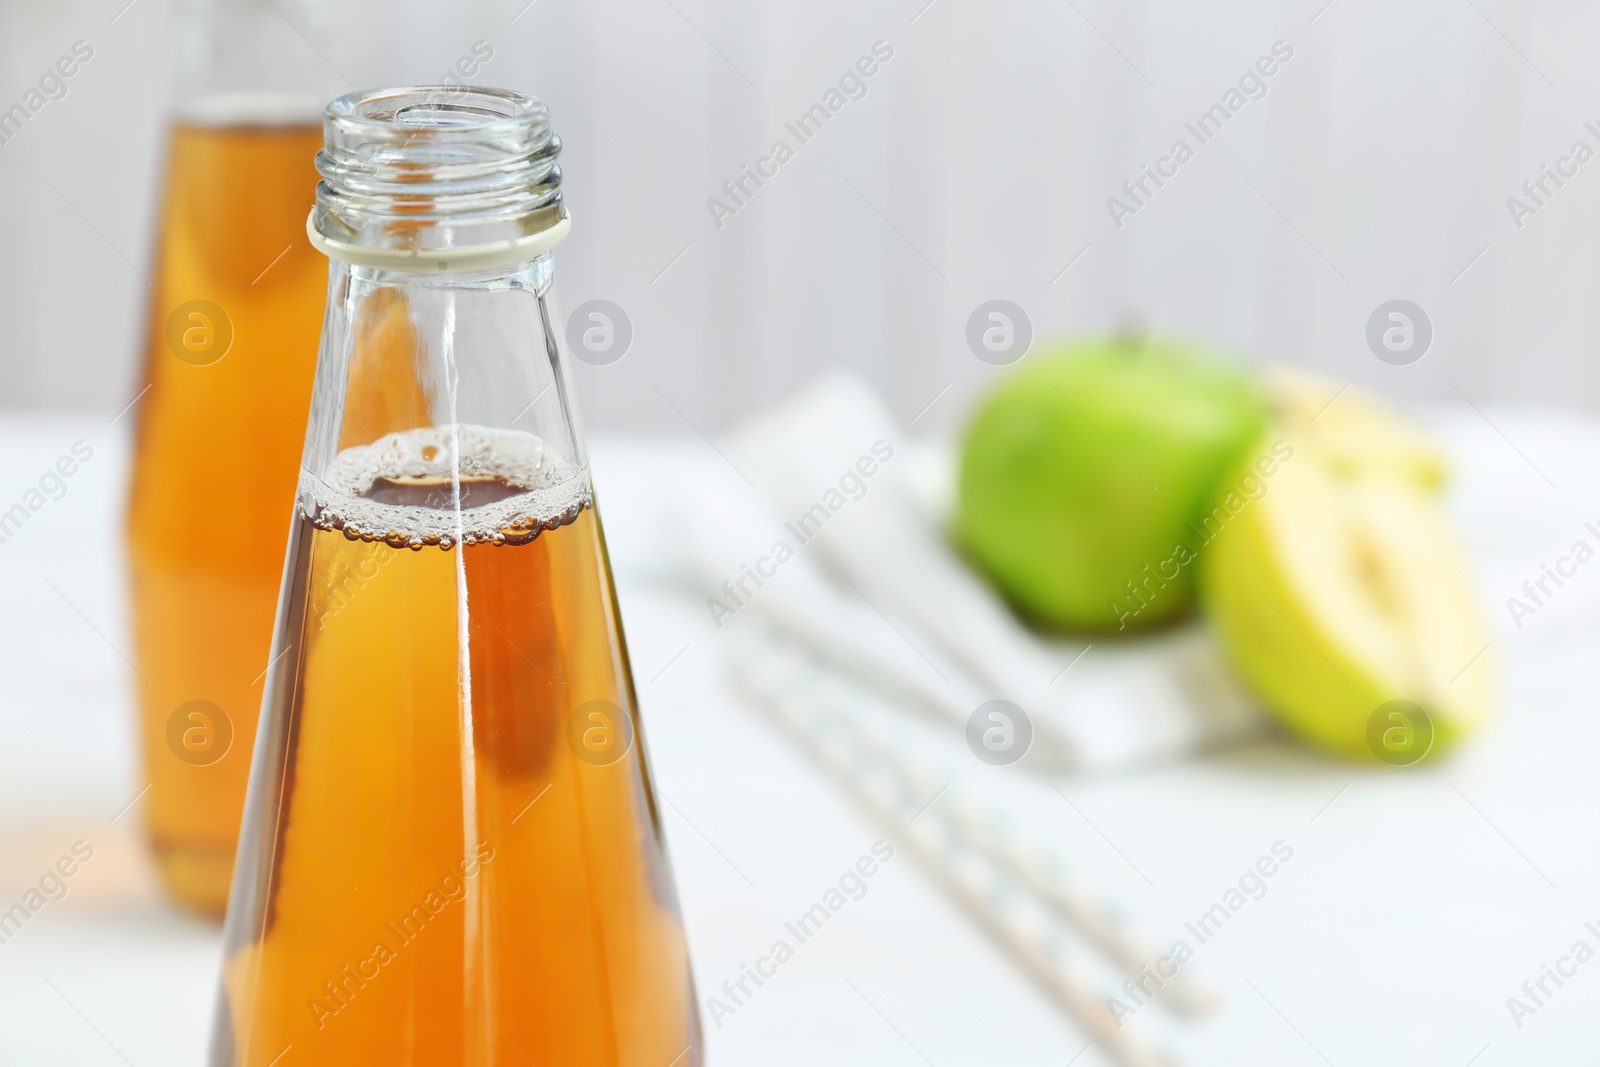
1083	473
1355	431
1342	589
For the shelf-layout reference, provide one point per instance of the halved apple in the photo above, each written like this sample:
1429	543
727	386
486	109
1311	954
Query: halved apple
1357	433
1337	592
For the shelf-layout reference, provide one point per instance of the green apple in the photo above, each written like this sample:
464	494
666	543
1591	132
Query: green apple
1082	473
1341	590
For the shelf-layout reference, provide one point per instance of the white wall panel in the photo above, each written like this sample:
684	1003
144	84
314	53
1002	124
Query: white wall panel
977	166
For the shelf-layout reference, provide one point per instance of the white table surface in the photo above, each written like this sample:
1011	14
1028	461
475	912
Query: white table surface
1416	902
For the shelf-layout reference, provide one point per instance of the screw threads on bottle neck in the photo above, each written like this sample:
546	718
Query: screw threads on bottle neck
432	168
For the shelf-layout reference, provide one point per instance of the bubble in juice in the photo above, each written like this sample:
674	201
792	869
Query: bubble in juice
454	855
235	315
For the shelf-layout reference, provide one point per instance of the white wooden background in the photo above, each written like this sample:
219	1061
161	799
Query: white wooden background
977	166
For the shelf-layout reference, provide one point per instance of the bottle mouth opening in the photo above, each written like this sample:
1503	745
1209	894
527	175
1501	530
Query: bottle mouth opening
431	167
376	115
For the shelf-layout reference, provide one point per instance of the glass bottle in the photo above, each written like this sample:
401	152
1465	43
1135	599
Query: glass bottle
452	850
231	341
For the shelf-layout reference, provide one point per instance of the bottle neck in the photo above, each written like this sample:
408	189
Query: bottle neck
453	367
254	62
438	206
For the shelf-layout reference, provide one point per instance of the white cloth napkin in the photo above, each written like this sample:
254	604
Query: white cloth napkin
892	600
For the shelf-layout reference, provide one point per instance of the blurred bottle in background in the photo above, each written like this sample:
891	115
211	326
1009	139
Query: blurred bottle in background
231	347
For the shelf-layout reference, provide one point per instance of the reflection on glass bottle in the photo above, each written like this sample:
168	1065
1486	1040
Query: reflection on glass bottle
452	851
231	343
